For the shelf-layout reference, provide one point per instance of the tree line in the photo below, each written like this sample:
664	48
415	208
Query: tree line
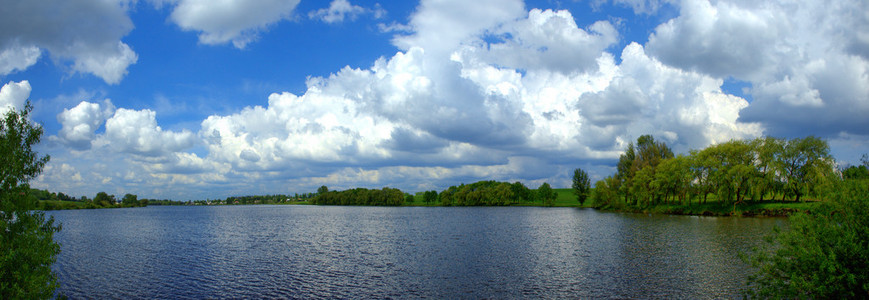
360	196
493	193
51	200
481	193
649	174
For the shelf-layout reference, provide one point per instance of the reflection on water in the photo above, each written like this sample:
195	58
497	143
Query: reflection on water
377	252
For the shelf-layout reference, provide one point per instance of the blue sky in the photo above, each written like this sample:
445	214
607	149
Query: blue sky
187	99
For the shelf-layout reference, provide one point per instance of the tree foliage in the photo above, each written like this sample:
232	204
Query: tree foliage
27	248
547	194
485	193
856	173
648	174
361	196
824	255
103	199
581	185
430	197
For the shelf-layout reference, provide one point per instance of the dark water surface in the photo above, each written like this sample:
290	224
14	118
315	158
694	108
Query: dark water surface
269	251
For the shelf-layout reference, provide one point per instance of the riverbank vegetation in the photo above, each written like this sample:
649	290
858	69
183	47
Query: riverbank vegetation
360	196
27	246
57	201
727	178
823	255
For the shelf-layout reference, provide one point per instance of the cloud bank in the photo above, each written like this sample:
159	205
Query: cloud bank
30	28
492	90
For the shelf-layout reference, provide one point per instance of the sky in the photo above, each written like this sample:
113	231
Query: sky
198	99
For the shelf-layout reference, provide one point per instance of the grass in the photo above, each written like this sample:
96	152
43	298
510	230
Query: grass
565	199
714	207
59	205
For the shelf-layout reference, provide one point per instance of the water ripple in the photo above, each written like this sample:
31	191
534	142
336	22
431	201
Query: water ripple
368	252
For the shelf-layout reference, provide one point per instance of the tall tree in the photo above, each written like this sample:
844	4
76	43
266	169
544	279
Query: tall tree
581	185
102	199
625	171
130	200
805	163
322	190
546	194
27	247
768	151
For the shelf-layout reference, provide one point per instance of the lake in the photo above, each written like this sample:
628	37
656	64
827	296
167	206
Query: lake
297	251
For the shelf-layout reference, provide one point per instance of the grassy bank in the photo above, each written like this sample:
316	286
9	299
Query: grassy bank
715	208
63	205
565	199
60	205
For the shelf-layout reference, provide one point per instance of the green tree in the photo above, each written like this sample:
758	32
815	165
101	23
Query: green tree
408	198
823	255
430	196
130	200
606	192
856	173
767	151
673	177
581	185
546	194
27	248
322	190
806	162
102	199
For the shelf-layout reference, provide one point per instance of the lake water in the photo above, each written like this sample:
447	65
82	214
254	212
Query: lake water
266	251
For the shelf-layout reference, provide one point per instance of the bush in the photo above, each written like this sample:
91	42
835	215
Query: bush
823	255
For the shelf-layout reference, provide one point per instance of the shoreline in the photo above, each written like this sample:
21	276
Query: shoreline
753	209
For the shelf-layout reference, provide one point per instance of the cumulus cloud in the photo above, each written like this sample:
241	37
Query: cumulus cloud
805	61
236	21
461	108
15	58
93	46
80	123
339	10
550	40
137	132
639	6
440	26
488	90
685	108
13	95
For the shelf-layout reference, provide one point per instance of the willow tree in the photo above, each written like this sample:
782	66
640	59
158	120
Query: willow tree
806	162
27	247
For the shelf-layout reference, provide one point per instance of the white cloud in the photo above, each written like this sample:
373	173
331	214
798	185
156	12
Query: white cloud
93	46
551	40
339	10
722	39
441	26
639	6
80	123
16	58
13	95
806	61
58	178
137	132
479	90
686	109
236	21
108	61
